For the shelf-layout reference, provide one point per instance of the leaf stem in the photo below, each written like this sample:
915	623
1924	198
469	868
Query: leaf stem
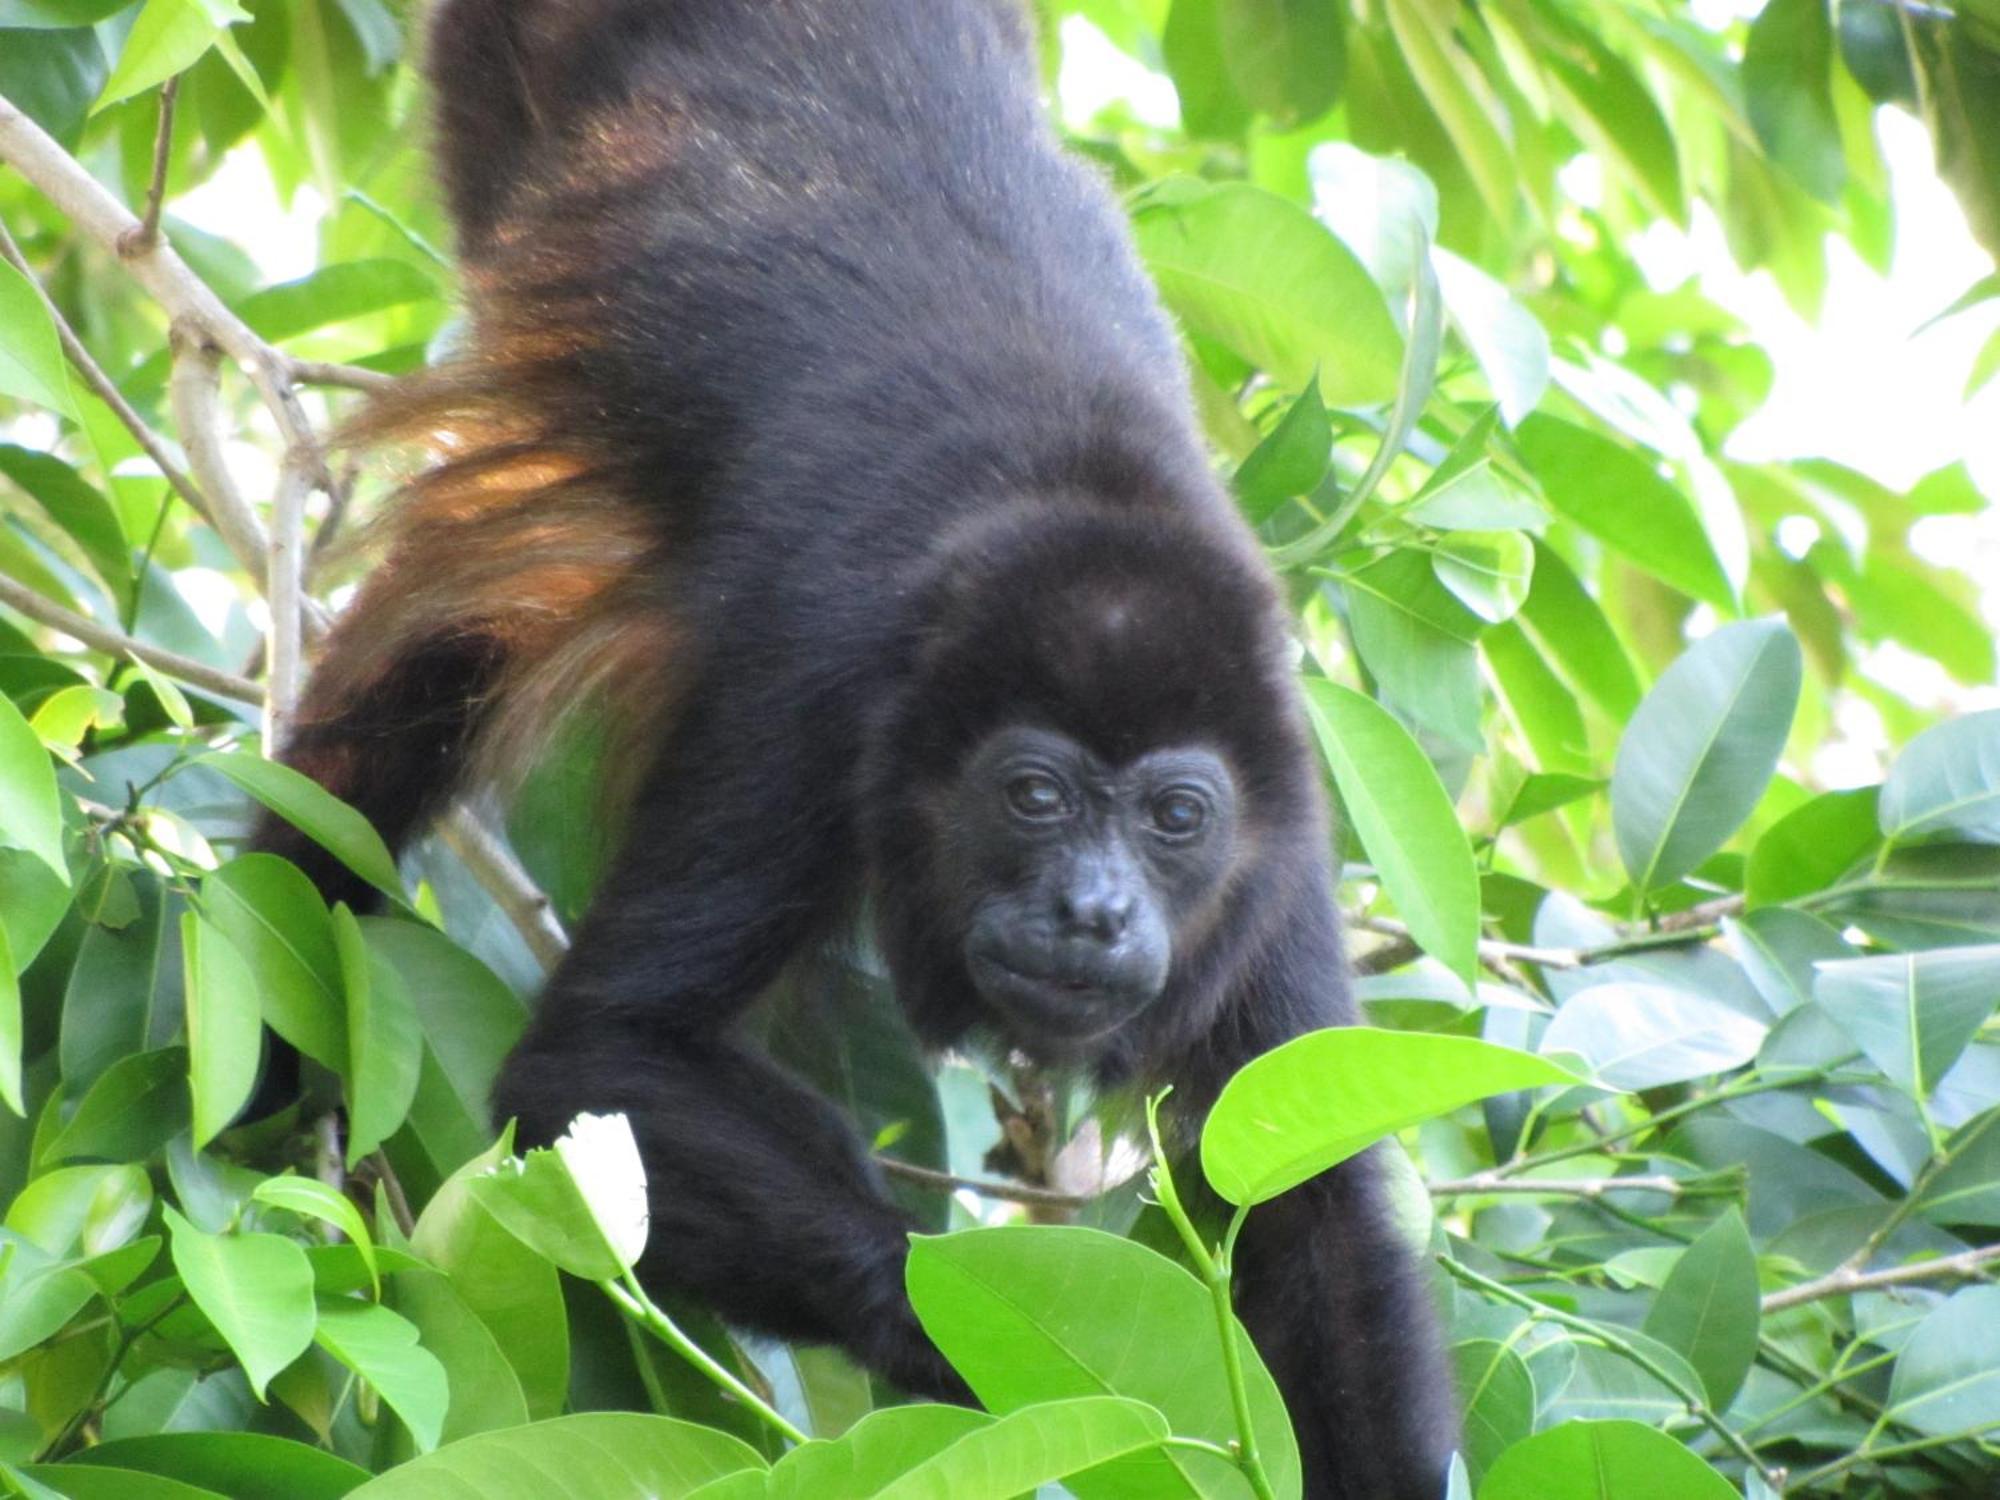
633	1301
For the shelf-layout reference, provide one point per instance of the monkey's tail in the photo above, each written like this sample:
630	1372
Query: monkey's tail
517	583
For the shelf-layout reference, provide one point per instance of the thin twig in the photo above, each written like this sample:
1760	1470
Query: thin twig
1002	1192
104	388
392	1189
1490	949
507	883
1567	1187
349	377
1964	1265
141	239
194	392
197	675
285	591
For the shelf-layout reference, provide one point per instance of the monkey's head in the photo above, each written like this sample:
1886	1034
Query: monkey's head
1094	767
1075	874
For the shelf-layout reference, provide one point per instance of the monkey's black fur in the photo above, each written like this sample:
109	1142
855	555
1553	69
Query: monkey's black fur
801	301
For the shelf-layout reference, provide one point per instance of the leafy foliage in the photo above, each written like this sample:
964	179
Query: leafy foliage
1691	1046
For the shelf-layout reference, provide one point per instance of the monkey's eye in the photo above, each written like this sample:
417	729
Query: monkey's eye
1179	813
1037	795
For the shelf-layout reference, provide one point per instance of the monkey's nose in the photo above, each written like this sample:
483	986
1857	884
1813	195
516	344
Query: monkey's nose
1100	915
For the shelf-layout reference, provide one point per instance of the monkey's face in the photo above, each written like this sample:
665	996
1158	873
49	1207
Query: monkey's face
1074	876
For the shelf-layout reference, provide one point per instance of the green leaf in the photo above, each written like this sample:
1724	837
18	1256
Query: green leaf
1511	346
882	1446
1029	1314
1286	57
1259	274
381	1347
168	38
1708	1310
1947	1378
1325	1096
1945	786
1538	701
314	811
510	1288
1405	820
485	1392
384	1042
55	15
1788	84
1489	571
1965	1186
1912	1013
271	914
1696	757
32	367
225	1030
1034	1446
105	1483
76	505
1572	629
1640	1036
121	997
1812	846
594	1456
30	807
543	1204
256	1289
1291	461
1497	1394
334	294
241	1465
1461	97
1778	947
129	1114
38	1304
10	1030
313	1199
51	77
1602	1461
1413	638
1620	498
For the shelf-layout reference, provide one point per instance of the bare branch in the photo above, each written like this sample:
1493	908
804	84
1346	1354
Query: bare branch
194	391
105	389
1491	950
507	883
147	234
1003	1192
197	675
351	377
285	590
1964	1265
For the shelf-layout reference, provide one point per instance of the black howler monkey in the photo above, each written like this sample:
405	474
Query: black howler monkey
815	405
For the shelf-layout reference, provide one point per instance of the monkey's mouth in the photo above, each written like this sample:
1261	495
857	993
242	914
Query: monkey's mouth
1076	1005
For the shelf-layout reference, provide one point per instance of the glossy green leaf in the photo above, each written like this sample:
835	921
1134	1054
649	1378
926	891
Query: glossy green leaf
1286	57
30	809
122	991
55	15
1033	1446
1640	1036
224	1026
256	1289
1511	346
169	37
1620	498
1489	571
1945	786
1812	846
1496	1393
1947	1378
1258	273
1570	626
593	1456
485	1393
1699	752
270	912
77	506
384	1042
1912	1013
1323	1097
382	1348
1708	1310
1778	948
1291	461
10	1030
131	1111
1602	1461
543	1204
313	1199
1021	1313
881	1447
1405	820
1964	1188
32	367
241	1465
314	811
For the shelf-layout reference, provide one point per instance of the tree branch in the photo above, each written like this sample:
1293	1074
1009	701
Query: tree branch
1002	1192
147	234
352	377
197	675
1567	1187
104	388
1965	1265
507	883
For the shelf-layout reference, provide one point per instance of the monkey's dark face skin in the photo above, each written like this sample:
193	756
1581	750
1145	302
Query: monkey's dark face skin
1083	873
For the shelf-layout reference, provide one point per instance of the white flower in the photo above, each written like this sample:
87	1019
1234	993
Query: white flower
602	1159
